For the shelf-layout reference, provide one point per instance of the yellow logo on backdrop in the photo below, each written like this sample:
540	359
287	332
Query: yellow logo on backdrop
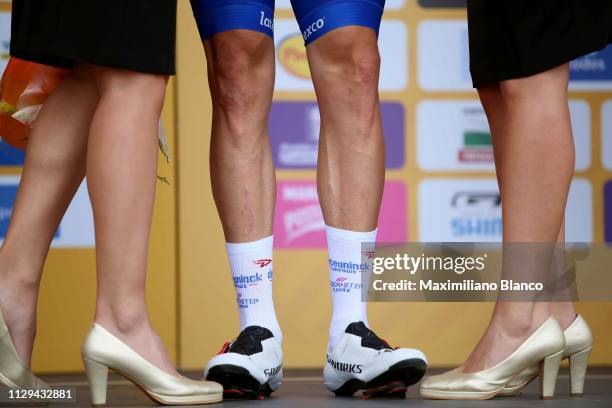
292	56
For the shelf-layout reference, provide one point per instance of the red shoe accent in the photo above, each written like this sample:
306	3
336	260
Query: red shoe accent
224	348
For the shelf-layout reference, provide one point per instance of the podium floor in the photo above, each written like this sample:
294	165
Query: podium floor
305	389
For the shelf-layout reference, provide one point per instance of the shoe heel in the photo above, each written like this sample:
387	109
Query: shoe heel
578	367
97	375
549	368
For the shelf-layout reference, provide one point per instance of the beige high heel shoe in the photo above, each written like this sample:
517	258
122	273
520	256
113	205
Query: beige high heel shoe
13	372
545	346
578	346
103	351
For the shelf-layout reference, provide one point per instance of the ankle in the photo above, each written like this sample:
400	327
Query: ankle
19	273
564	312
122	322
520	320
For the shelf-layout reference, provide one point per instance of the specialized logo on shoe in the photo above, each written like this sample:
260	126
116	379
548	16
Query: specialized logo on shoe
347	267
262	263
313	28
266	21
271	372
345	367
243	281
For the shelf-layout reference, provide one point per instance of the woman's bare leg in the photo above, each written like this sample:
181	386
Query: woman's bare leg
530	121
121	176
491	98
53	170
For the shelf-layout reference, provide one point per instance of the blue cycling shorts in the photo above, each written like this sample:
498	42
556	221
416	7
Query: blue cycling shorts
315	17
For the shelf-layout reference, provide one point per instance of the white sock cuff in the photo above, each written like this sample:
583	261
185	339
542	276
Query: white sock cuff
243	247
346	235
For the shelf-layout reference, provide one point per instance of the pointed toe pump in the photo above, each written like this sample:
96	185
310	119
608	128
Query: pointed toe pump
578	346
103	351
544	349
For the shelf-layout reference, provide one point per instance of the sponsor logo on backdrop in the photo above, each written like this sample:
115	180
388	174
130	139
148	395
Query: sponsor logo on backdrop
469	210
477	144
294	134
462	141
292	56
5	39
389	4
443	3
443	56
292	73
608	211
298	221
476	214
593	71
477	147
8	193
606	134
75	230
9	155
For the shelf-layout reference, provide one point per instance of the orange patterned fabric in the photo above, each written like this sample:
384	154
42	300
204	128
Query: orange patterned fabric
24	88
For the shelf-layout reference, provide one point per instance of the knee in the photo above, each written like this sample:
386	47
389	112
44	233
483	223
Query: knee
515	89
129	87
352	58
544	101
348	83
242	76
365	66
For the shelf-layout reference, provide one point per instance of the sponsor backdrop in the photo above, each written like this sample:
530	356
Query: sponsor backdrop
440	184
440	187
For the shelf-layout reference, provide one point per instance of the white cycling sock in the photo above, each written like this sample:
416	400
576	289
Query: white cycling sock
251	265
345	270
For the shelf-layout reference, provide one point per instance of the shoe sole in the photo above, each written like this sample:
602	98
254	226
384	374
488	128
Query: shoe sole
512	391
238	383
393	383
171	400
